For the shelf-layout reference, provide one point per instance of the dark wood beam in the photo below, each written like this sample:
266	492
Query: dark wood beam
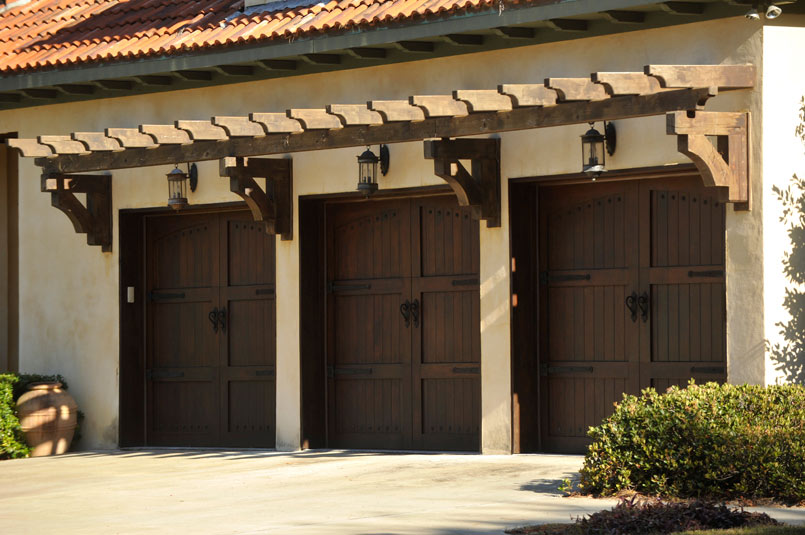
44	94
322	59
195	76
422	47
464	39
116	85
568	25
516	32
625	17
77	89
478	188
683	8
94	219
236	70
273	207
155	79
279	64
619	107
367	53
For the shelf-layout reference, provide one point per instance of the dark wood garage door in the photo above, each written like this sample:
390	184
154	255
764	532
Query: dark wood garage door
631	296
403	325
210	323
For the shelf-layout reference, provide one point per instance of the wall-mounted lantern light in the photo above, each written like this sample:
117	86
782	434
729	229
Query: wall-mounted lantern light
178	183
177	189
367	169
593	145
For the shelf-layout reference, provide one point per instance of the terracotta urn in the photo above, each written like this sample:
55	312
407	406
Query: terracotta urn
48	416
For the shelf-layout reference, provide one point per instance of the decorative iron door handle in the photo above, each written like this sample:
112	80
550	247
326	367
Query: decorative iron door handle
415	312
642	302
405	310
213	315
631	304
222	319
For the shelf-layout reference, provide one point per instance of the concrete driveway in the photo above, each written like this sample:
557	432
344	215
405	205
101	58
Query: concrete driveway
311	492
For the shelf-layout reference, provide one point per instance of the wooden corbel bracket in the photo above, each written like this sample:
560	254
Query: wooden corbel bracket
274	206
478	188
725	164
94	219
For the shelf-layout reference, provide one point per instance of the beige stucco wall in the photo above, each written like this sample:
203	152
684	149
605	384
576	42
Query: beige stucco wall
69	291
784	155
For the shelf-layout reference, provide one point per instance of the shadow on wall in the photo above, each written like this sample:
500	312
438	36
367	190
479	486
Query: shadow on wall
789	357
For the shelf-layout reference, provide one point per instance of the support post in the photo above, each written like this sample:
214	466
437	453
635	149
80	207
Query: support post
94	219
724	164
478	188
274	207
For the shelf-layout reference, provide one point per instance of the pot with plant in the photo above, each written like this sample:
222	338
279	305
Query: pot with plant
48	417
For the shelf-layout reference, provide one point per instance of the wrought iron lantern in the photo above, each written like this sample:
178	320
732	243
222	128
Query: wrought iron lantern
367	169
177	189
593	145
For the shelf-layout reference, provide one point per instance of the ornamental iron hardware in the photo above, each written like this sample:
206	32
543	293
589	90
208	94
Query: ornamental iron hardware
551	370
157	296
415	312
631	304
466	282
222	319
264	373
163	374
473	370
213	316
331	287
642	302
545	277
713	273
707	369
405	310
264	291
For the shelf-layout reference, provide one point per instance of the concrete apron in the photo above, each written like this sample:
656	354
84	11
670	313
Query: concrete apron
311	492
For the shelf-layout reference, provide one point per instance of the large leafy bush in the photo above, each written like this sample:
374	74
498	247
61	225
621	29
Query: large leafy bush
12	444
714	441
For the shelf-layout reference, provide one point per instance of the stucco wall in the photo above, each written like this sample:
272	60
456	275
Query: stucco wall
69	291
784	155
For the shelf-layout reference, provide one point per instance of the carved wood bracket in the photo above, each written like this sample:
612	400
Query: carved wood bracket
478	188
94	219
273	206
725	164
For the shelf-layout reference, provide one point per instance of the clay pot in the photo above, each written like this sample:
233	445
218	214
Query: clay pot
48	417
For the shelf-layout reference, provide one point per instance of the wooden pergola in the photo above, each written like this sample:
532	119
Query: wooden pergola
241	143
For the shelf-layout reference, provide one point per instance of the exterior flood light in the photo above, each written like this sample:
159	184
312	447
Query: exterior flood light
593	147
772	12
367	169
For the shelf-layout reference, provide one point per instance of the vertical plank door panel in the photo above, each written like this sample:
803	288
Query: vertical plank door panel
181	350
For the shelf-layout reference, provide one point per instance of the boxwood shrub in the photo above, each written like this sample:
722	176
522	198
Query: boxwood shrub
704	441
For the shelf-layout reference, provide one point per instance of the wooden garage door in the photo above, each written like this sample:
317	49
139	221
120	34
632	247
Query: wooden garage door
210	322
631	296
403	325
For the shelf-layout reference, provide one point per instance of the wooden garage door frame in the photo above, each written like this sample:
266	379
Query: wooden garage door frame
525	374
313	297
132	349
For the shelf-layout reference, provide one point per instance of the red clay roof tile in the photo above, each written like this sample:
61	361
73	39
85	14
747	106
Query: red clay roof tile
48	33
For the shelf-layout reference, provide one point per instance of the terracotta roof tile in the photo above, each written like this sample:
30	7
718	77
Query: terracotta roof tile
48	33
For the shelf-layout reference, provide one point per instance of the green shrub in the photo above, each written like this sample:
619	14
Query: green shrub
713	441
12	386
12	444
